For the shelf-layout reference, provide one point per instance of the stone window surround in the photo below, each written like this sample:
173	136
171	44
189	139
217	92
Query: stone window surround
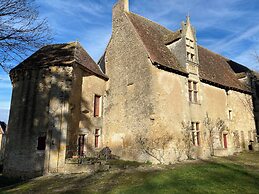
196	137
193	90
190	50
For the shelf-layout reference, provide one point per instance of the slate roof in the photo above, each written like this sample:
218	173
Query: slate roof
61	55
154	37
213	68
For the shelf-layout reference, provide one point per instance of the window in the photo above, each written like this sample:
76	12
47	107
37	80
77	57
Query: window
41	143
190	90
190	50
225	141
96	138
251	136
193	91
196	134
189	56
81	144
230	116
97	106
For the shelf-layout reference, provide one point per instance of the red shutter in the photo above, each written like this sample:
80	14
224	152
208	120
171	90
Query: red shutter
225	140
97	106
96	141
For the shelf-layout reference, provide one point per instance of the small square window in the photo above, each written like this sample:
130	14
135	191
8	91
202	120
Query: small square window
41	143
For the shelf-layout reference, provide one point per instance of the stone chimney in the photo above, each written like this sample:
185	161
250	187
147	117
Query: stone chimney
122	5
118	12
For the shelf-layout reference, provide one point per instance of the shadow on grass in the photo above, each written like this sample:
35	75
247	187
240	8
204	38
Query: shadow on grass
205	177
213	176
5	181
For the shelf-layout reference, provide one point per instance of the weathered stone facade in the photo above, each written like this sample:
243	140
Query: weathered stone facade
160	97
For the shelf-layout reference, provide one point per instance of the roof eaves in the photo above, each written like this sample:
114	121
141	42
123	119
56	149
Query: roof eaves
248	91
165	68
104	77
138	36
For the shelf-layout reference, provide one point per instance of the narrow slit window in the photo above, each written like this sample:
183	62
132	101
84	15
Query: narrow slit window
190	90
97	138
195	92
81	144
230	116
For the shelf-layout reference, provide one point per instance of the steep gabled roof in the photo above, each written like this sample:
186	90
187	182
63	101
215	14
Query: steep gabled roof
154	38
61	55
213	68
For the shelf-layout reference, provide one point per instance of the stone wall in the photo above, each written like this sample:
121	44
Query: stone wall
128	105
89	123
172	107
38	109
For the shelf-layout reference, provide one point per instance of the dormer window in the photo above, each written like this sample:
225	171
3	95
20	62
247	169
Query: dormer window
190	50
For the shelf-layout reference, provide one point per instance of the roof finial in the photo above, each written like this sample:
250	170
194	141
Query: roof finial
188	21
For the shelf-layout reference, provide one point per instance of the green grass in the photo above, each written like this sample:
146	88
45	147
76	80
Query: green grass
236	174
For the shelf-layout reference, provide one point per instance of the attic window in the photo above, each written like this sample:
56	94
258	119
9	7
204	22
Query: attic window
190	50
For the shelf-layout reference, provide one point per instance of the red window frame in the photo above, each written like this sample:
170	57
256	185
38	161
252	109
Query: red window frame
97	104
96	138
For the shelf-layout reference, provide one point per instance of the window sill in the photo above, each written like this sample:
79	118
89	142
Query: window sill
40	152
196	103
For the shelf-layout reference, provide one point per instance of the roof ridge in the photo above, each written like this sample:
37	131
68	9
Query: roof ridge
153	42
213	52
151	21
139	37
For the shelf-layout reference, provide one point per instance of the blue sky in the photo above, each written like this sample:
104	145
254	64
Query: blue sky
228	27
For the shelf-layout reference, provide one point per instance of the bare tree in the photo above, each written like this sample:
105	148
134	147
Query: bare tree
209	125
187	139
21	31
215	128
154	145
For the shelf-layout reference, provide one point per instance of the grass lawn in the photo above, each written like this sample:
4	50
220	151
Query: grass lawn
235	174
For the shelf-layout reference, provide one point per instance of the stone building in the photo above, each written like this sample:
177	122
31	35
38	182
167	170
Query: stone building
155	95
